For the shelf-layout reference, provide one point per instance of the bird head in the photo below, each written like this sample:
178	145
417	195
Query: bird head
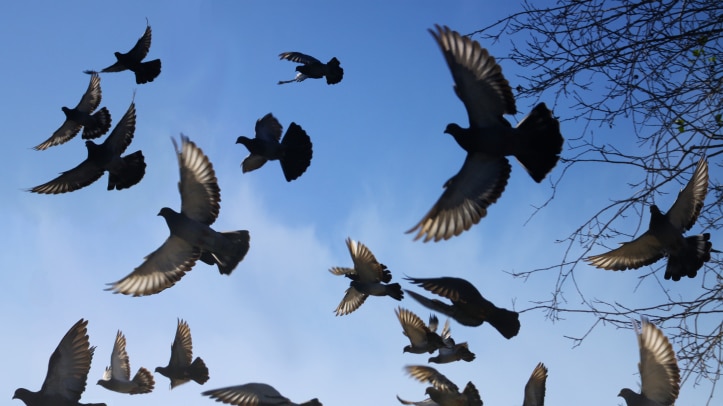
243	140
166	212
21	393
453	129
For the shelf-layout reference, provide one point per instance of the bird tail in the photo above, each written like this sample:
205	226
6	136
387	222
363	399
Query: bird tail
505	321
394	290
97	125
144	380
227	258
335	73
198	371
312	402
696	253
147	71
297	152
132	171
473	397
540	142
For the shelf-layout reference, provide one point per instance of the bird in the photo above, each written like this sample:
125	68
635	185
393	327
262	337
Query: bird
254	394
422	338
132	60
293	152
123	171
94	124
664	237
67	372
536	142
443	391
425	402
117	377
313	68
659	372
180	369
468	306
535	387
451	351
368	277
191	237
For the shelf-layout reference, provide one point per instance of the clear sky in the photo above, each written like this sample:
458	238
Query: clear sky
380	160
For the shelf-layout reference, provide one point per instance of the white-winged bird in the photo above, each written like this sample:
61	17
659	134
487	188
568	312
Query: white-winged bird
536	142
254	394
180	369
117	377
313	68
132	60
293	152
664	237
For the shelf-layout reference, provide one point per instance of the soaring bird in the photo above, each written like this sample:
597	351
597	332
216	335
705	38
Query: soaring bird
132	60
659	373
117	377
67	372
468	306
664	237
368	277
123	172
536	142
191	237
535	387
293	152
254	394
422	338
450	351
443	391
312	68
180	369
82	116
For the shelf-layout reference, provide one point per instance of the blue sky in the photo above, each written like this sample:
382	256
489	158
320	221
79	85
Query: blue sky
380	159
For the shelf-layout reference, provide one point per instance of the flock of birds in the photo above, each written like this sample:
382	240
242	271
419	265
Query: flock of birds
536	143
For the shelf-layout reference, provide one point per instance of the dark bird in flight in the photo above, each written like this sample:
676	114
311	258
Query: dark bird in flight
535	387
312	68
145	71
443	391
123	172
254	394
94	124
180	369
293	152
192	237
67	372
422	338
536	142
117	377
664	237
468	306
659	373
450	351
368	277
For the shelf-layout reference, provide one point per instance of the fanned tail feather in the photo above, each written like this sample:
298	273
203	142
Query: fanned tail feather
297	152
97	125
541	142
134	168
228	261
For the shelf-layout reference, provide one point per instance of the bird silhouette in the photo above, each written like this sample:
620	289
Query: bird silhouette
254	394
443	391
180	369
313	68
117	377
422	338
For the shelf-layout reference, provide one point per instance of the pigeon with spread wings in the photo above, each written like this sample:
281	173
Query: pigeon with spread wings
192	237
117	377
443	391
254	394
422	338
313	68
180	369
536	142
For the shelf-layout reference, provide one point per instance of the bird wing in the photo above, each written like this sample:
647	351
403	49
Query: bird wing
200	194
535	387
478	78
298	57
365	264
268	128
161	269
119	364
424	373
66	132
659	373
92	96
69	364
252	162
339	271
122	135
351	301
457	290
182	347
477	185
79	177
689	202
414	328
643	250
250	394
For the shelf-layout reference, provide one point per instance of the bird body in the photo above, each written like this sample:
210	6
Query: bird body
117	376
180	369
132	60
313	68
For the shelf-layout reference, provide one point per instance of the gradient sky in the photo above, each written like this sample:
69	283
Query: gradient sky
380	160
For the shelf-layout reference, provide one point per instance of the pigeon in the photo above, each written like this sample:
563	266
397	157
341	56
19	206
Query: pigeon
82	116
117	377
536	142
659	372
313	68
67	372
425	402
535	387
664	237
254	394
293	152
368	277
123	172
443	391
451	351
191	237
145	71
422	338
180	369
468	306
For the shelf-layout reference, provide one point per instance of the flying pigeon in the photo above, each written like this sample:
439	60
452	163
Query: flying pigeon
145	71
664	237
443	391
123	172
94	124
313	68
422	338
368	277
535	387
191	237
67	372
293	152
425	402
451	351
659	373
536	142
254	394
468	306
117	377
180	369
